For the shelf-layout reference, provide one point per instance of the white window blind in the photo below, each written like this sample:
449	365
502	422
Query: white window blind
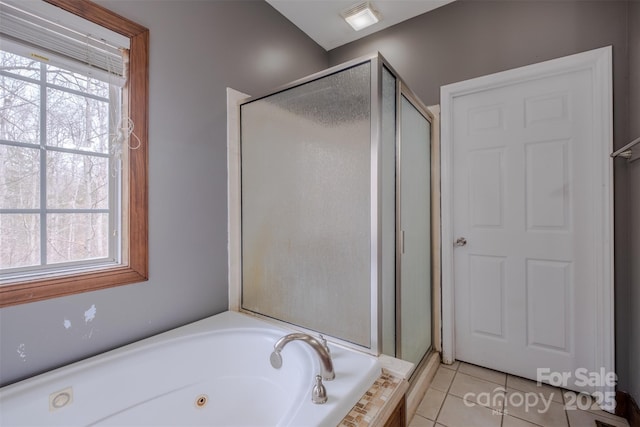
33	28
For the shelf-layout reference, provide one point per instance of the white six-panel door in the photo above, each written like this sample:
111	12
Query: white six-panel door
527	280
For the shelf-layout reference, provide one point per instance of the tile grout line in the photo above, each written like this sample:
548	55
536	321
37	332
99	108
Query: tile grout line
564	406
484	379
504	402
455	373
481	379
525	420
525	391
492	382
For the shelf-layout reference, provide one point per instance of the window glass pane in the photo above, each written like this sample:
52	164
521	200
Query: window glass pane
19	177
76	81
77	181
19	65
19	110
19	240
77	237
77	122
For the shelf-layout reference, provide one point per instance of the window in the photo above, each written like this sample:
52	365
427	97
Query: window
60	175
72	218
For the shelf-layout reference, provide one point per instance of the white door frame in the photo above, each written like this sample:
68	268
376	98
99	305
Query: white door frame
598	62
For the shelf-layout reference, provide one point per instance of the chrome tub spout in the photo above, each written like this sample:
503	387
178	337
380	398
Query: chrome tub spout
326	365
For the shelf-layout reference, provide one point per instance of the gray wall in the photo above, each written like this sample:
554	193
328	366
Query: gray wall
468	38
634	178
198	48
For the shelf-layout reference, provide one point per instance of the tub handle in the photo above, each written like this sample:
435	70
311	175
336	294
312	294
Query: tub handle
319	393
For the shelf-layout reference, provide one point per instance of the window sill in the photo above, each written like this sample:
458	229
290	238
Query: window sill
32	290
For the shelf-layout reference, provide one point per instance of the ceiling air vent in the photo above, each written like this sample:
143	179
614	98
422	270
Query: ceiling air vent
361	15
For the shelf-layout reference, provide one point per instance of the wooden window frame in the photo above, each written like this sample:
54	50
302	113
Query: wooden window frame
135	263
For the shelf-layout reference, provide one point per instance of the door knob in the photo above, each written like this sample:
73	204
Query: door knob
460	242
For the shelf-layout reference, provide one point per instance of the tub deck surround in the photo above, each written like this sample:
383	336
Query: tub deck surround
378	403
396	367
212	372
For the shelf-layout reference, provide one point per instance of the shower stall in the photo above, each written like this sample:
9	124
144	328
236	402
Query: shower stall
335	208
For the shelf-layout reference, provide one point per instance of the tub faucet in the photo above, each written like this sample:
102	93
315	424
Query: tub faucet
326	365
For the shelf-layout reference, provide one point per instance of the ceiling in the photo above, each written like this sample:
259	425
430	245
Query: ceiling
321	20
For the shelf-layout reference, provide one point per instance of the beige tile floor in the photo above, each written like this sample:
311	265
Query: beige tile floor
464	395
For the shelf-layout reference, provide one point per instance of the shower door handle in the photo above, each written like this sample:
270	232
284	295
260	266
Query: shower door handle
461	241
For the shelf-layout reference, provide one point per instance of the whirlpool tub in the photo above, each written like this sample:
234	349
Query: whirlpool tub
213	372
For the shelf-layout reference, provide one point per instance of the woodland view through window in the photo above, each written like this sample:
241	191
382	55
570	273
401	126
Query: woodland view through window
59	175
73	149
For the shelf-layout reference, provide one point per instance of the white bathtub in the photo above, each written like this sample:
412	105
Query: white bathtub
222	362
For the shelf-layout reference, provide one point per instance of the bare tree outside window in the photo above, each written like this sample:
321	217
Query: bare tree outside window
56	171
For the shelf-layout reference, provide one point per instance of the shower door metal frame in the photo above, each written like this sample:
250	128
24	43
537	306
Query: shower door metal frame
234	162
235	258
402	90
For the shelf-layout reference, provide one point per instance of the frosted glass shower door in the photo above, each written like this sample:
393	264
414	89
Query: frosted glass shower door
306	205
415	241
